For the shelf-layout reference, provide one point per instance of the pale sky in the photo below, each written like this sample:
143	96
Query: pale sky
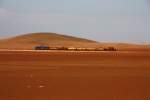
101	20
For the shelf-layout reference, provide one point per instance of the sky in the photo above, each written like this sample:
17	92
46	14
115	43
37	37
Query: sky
101	20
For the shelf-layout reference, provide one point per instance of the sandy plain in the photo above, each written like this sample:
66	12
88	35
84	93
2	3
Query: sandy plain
54	75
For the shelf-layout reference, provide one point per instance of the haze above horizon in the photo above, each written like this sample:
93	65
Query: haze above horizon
100	20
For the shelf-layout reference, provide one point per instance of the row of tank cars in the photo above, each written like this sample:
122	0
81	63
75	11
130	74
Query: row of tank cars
43	47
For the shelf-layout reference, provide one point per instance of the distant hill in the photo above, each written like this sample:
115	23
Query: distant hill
30	40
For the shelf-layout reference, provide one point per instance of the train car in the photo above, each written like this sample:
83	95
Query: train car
42	47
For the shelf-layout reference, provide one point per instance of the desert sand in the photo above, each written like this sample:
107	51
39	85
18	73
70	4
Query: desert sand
55	75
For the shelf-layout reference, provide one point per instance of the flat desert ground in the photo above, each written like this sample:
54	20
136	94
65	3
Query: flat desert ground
54	75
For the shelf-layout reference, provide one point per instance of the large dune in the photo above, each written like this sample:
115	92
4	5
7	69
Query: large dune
30	40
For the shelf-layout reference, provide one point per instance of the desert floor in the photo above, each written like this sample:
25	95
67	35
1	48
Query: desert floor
30	75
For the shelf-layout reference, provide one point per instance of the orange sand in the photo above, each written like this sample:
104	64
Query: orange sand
74	75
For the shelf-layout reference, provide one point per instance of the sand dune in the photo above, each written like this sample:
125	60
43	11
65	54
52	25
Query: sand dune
29	41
